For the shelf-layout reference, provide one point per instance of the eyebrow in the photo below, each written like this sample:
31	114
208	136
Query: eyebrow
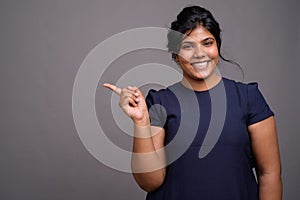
192	41
209	38
188	42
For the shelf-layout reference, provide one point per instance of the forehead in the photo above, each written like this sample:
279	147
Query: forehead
198	34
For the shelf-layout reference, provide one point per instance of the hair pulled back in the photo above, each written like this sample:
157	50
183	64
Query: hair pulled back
187	20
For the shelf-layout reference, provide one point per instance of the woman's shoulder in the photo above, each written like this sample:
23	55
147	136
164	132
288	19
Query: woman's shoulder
164	91
158	92
163	94
240	86
245	92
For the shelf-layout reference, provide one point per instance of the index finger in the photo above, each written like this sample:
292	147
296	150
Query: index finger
113	88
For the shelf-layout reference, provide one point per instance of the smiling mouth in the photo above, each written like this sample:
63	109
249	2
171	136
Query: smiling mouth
200	65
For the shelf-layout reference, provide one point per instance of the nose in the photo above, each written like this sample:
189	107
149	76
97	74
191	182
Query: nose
199	52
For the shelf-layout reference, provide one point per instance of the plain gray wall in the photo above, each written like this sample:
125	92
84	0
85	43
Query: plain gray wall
43	44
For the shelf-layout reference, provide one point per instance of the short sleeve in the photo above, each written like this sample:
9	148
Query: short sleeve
257	107
157	112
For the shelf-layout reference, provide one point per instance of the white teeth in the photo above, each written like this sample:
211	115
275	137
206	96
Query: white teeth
200	65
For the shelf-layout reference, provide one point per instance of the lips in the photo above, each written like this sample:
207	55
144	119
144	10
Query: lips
200	65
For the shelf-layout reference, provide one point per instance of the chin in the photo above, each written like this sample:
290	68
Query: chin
202	76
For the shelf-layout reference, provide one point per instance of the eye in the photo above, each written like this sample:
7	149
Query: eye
208	43
187	46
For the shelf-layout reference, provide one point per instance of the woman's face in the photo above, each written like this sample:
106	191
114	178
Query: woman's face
198	55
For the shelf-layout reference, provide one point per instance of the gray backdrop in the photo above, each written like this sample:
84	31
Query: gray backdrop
43	44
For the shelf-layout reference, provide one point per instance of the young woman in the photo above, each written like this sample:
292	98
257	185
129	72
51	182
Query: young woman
248	138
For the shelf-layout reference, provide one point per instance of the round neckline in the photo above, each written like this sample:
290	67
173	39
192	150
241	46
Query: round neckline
203	91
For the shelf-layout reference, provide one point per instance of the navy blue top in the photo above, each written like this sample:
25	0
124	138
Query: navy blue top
193	121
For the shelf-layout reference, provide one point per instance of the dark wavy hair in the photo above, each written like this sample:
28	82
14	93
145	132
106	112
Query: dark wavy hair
187	20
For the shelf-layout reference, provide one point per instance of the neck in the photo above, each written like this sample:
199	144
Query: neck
201	84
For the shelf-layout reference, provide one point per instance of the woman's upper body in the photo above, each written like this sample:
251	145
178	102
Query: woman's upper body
226	172
248	138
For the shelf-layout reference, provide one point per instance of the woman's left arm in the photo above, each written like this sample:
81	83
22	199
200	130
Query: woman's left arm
266	152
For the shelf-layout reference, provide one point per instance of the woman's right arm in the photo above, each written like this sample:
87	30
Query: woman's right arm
149	169
148	158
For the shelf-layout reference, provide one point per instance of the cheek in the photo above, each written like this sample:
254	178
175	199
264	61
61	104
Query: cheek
214	54
185	56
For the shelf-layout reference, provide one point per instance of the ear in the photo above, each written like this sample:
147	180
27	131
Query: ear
176	58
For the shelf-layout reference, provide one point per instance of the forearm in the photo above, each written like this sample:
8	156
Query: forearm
148	158
148	163
270	186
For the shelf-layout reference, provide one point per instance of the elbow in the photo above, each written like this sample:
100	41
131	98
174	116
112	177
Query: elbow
270	175
150	187
274	171
149	183
269	178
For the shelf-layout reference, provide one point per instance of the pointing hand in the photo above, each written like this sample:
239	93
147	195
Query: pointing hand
132	102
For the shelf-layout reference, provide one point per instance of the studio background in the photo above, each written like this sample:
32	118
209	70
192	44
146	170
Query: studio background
43	44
